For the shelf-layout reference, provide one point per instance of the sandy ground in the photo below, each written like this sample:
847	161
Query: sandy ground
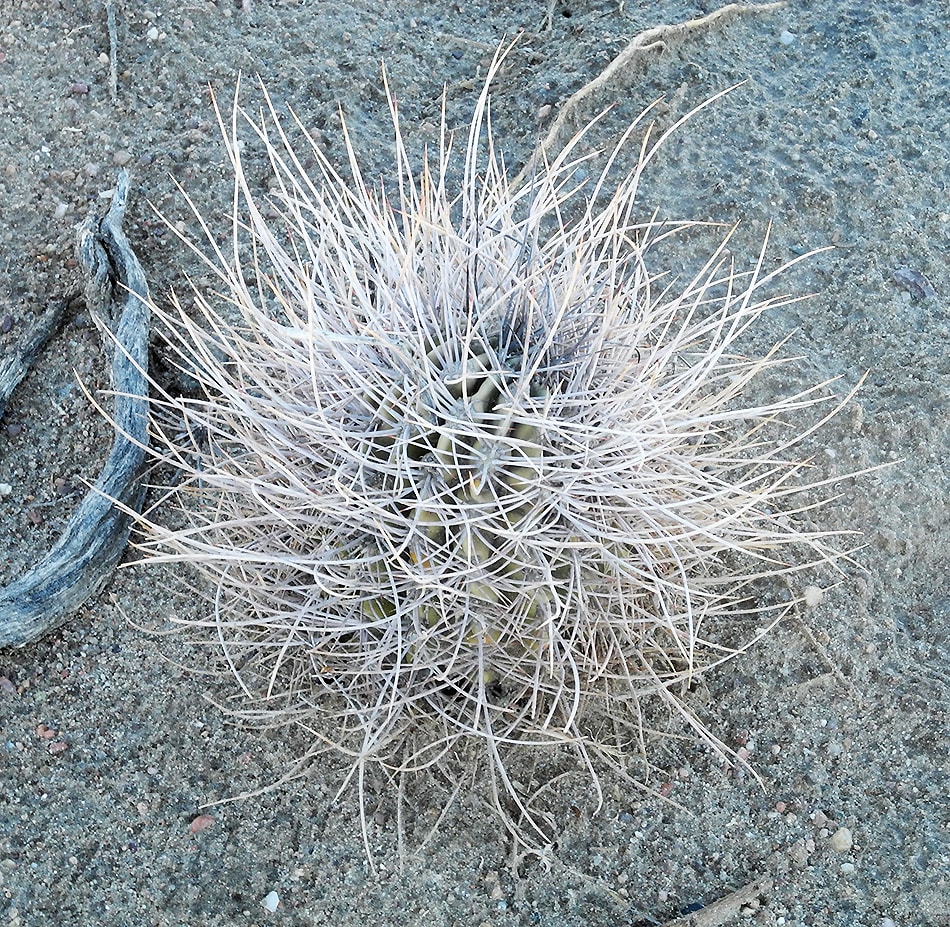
109	749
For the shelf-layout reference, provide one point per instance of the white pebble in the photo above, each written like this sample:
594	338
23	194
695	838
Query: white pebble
786	38
271	901
813	596
840	841
152	34
5	489
60	211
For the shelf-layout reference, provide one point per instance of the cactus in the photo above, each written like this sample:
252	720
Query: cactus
469	473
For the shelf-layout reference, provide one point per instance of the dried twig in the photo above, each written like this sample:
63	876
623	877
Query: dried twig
648	40
548	22
113	53
824	656
722	911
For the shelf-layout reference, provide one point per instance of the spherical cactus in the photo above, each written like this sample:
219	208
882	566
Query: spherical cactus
460	471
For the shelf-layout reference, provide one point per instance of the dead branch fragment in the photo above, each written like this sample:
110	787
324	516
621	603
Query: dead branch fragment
84	557
722	911
15	364
648	40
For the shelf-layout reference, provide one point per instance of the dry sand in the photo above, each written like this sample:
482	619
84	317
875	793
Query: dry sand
839	136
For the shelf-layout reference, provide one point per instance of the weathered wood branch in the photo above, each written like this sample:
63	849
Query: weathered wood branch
86	554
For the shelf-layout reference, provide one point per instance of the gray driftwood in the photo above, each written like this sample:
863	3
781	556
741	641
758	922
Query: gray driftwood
82	560
14	366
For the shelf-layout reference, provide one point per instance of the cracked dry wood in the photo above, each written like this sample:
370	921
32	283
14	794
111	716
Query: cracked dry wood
86	554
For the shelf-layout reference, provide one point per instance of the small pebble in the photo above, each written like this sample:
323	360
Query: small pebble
813	596
914	282
79	88
152	34
5	490
6	323
121	158
840	841
200	823
847	869
271	901
786	37
798	854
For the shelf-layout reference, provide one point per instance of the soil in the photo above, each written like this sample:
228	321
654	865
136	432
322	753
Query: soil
836	137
